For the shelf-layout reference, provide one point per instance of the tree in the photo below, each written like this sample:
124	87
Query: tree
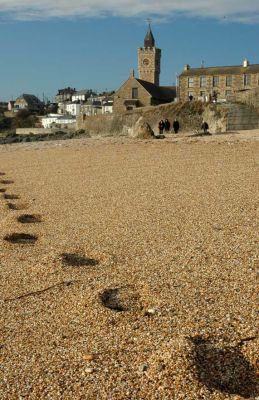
23	114
25	119
5	124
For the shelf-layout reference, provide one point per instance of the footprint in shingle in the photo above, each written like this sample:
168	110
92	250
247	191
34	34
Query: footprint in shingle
223	368
6	181
11	196
29	218
17	206
77	260
2	173
2	190
121	299
21	238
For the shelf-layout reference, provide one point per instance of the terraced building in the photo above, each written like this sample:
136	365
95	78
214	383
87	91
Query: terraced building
217	82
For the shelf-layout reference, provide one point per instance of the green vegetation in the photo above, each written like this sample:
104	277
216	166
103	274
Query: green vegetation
22	119
5	124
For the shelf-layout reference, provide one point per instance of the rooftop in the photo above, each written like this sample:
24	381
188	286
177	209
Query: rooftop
158	92
234	69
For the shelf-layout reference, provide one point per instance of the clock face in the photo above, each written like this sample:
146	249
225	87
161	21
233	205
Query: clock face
145	61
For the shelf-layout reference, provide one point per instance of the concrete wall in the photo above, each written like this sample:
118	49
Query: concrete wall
9	114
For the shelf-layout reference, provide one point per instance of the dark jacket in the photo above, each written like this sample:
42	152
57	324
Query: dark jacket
167	125
204	126
161	126
176	125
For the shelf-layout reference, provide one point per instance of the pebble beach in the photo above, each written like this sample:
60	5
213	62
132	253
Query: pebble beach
128	268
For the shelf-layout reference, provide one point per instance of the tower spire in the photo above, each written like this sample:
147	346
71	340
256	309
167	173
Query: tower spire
149	40
149	59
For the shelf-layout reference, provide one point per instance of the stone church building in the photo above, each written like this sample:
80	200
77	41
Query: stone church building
144	91
225	83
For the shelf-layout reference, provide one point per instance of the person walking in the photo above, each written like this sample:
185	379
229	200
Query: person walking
167	125
161	127
176	126
204	126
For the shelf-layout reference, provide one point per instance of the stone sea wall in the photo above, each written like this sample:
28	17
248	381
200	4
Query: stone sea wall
250	97
189	114
42	131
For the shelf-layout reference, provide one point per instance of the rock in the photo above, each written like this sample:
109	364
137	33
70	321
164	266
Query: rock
89	370
150	311
126	131
145	367
159	136
88	357
141	130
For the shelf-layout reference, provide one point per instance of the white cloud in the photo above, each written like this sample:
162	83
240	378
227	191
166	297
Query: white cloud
233	10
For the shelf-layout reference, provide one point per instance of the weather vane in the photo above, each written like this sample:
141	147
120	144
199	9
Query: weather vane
149	20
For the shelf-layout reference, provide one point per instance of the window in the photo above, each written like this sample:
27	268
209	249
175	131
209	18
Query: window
134	93
202	93
247	80
215	81
190	82
229	80
228	92
202	81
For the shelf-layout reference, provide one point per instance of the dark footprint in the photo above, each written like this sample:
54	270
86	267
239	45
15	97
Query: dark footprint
29	219
2	190
11	196
120	299
18	206
21	238
76	260
6	181
2	173
224	369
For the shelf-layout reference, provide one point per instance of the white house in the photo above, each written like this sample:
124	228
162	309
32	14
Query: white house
107	105
92	107
28	102
81	95
11	105
73	108
49	119
53	120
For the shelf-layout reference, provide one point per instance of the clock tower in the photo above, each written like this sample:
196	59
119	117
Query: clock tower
149	59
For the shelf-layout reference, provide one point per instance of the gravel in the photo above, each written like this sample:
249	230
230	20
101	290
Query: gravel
141	284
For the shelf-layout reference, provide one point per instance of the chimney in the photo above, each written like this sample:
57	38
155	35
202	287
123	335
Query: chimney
245	63
186	67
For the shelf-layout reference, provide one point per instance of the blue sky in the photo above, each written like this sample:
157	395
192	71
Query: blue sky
84	44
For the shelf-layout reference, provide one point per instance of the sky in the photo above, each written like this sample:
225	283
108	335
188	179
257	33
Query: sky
47	45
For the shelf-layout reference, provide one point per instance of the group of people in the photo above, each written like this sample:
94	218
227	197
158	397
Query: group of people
165	125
